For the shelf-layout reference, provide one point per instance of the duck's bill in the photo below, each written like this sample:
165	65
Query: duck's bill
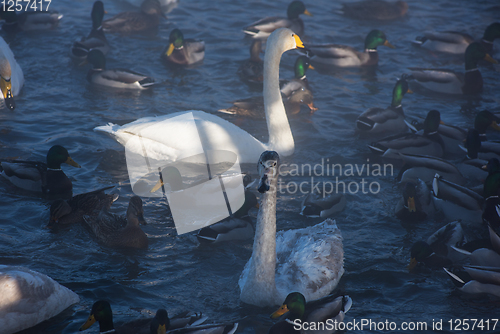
90	321
413	264
157	186
389	45
282	310
6	87
72	162
311	67
411	204
162	329
494	125
409	91
312	108
298	41
170	49
308	13
490	59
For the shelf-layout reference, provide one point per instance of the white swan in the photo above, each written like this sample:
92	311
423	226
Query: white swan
28	298
308	260
174	136
11	75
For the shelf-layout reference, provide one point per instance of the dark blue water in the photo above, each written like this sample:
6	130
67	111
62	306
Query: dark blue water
58	106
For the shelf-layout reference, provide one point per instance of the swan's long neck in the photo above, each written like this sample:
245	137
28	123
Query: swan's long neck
280	134
261	275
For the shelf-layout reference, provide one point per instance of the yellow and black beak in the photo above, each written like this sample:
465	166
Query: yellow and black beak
308	13
6	86
90	321
157	186
490	59
282	310
411	204
72	162
298	41
170	49
494	125
162	329
413	264
389	45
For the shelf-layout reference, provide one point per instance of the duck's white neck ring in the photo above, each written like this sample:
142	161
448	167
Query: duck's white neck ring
303	77
472	70
56	169
370	50
398	106
180	47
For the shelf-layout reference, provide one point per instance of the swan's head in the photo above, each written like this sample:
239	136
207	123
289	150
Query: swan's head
268	169
285	39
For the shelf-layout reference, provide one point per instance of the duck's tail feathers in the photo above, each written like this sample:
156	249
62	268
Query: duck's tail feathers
419	40
226	111
147	82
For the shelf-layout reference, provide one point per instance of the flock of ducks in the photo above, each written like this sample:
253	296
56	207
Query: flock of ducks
286	267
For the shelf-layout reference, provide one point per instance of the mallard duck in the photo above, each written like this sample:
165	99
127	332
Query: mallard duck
117	78
492	183
119	231
264	27
252	70
281	262
476	148
436	251
295	310
47	178
182	51
11	76
425	167
416	203
237	227
457	42
295	93
391	119
455	201
134	22
254	106
450	82
96	38
102	313
375	10
71	211
162	138
30	20
318	204
29	297
429	142
346	56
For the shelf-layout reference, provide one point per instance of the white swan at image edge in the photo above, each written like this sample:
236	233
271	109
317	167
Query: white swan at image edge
171	137
10	69
28	297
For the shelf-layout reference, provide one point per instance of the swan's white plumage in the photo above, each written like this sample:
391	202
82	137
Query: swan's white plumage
29	297
17	77
171	137
308	260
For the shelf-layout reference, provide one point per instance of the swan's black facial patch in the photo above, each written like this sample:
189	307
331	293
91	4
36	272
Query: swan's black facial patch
263	184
